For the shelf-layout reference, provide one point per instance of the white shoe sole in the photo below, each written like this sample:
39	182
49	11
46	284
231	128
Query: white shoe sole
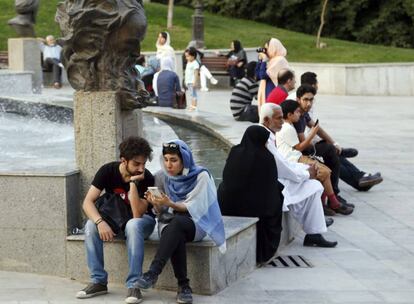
83	295
133	300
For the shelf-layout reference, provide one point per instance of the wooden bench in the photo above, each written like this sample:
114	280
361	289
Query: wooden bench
209	271
4	59
216	64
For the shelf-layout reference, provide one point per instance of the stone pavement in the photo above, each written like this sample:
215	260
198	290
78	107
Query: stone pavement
374	261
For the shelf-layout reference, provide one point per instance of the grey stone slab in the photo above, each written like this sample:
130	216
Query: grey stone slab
24	55
23	294
400	296
12	82
33	250
306	279
208	270
41	203
98	132
326	296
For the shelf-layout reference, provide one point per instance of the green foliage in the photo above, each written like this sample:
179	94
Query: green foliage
45	24
386	22
219	31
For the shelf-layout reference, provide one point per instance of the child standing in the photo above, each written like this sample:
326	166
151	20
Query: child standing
191	76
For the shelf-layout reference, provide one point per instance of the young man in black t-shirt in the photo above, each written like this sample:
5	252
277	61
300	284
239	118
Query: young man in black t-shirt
128	178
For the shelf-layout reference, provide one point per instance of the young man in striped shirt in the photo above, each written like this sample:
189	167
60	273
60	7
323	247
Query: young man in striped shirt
243	94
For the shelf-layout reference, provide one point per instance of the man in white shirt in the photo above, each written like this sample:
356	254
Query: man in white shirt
302	193
51	59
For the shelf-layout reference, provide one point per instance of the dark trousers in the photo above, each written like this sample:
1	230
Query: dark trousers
268	237
236	72
250	113
172	246
53	64
330	158
350	174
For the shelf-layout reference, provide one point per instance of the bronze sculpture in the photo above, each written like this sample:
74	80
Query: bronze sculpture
101	42
24	22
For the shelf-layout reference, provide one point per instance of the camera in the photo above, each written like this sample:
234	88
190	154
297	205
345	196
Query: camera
261	50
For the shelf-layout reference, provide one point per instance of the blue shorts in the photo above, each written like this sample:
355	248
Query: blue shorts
192	90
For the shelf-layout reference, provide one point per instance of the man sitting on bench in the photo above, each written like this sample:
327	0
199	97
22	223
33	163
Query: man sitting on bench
242	96
51	59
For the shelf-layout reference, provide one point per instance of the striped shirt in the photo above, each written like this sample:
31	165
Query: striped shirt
242	95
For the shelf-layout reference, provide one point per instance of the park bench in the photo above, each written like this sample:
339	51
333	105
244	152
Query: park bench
209	271
4	59
216	64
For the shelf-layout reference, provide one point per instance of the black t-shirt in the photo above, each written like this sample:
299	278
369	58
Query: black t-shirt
300	126
109	178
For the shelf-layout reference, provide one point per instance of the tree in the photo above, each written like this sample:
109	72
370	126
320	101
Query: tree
318	36
170	14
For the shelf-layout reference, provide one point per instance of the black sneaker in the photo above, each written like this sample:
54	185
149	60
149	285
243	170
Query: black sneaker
344	202
92	290
134	296
185	295
147	280
349	152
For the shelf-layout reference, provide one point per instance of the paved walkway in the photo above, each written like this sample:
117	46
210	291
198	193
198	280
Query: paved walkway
374	261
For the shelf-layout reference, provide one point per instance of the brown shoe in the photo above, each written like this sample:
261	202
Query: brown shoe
343	209
57	85
328	211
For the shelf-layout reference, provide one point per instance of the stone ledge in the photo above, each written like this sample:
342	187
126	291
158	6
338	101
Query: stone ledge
209	271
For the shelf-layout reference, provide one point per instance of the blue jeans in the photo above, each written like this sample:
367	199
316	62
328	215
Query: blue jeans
192	90
136	231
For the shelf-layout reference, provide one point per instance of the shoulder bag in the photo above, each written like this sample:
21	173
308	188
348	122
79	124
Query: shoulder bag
114	211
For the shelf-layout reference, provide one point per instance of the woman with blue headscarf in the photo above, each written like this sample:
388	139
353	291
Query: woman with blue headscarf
190	192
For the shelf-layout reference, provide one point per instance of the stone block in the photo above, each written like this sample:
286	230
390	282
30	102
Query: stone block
24	55
209	271
37	201
41	251
35	212
14	82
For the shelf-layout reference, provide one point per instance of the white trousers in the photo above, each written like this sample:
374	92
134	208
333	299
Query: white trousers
204	75
309	213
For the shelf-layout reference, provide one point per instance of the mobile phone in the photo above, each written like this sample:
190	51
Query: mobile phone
316	122
155	191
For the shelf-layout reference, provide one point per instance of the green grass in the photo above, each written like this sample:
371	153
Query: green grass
219	31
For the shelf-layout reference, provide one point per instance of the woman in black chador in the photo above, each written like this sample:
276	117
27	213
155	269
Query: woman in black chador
250	188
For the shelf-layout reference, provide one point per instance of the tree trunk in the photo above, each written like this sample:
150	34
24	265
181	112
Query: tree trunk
170	14
318	36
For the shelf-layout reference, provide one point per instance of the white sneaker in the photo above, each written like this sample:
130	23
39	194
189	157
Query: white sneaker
204	89
213	80
61	65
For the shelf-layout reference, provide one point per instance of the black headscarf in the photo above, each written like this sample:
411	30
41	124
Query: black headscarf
250	186
237	46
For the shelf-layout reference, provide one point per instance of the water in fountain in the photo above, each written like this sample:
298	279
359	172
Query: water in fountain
35	145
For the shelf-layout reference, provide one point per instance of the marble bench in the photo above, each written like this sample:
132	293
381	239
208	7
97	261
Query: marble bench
209	271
